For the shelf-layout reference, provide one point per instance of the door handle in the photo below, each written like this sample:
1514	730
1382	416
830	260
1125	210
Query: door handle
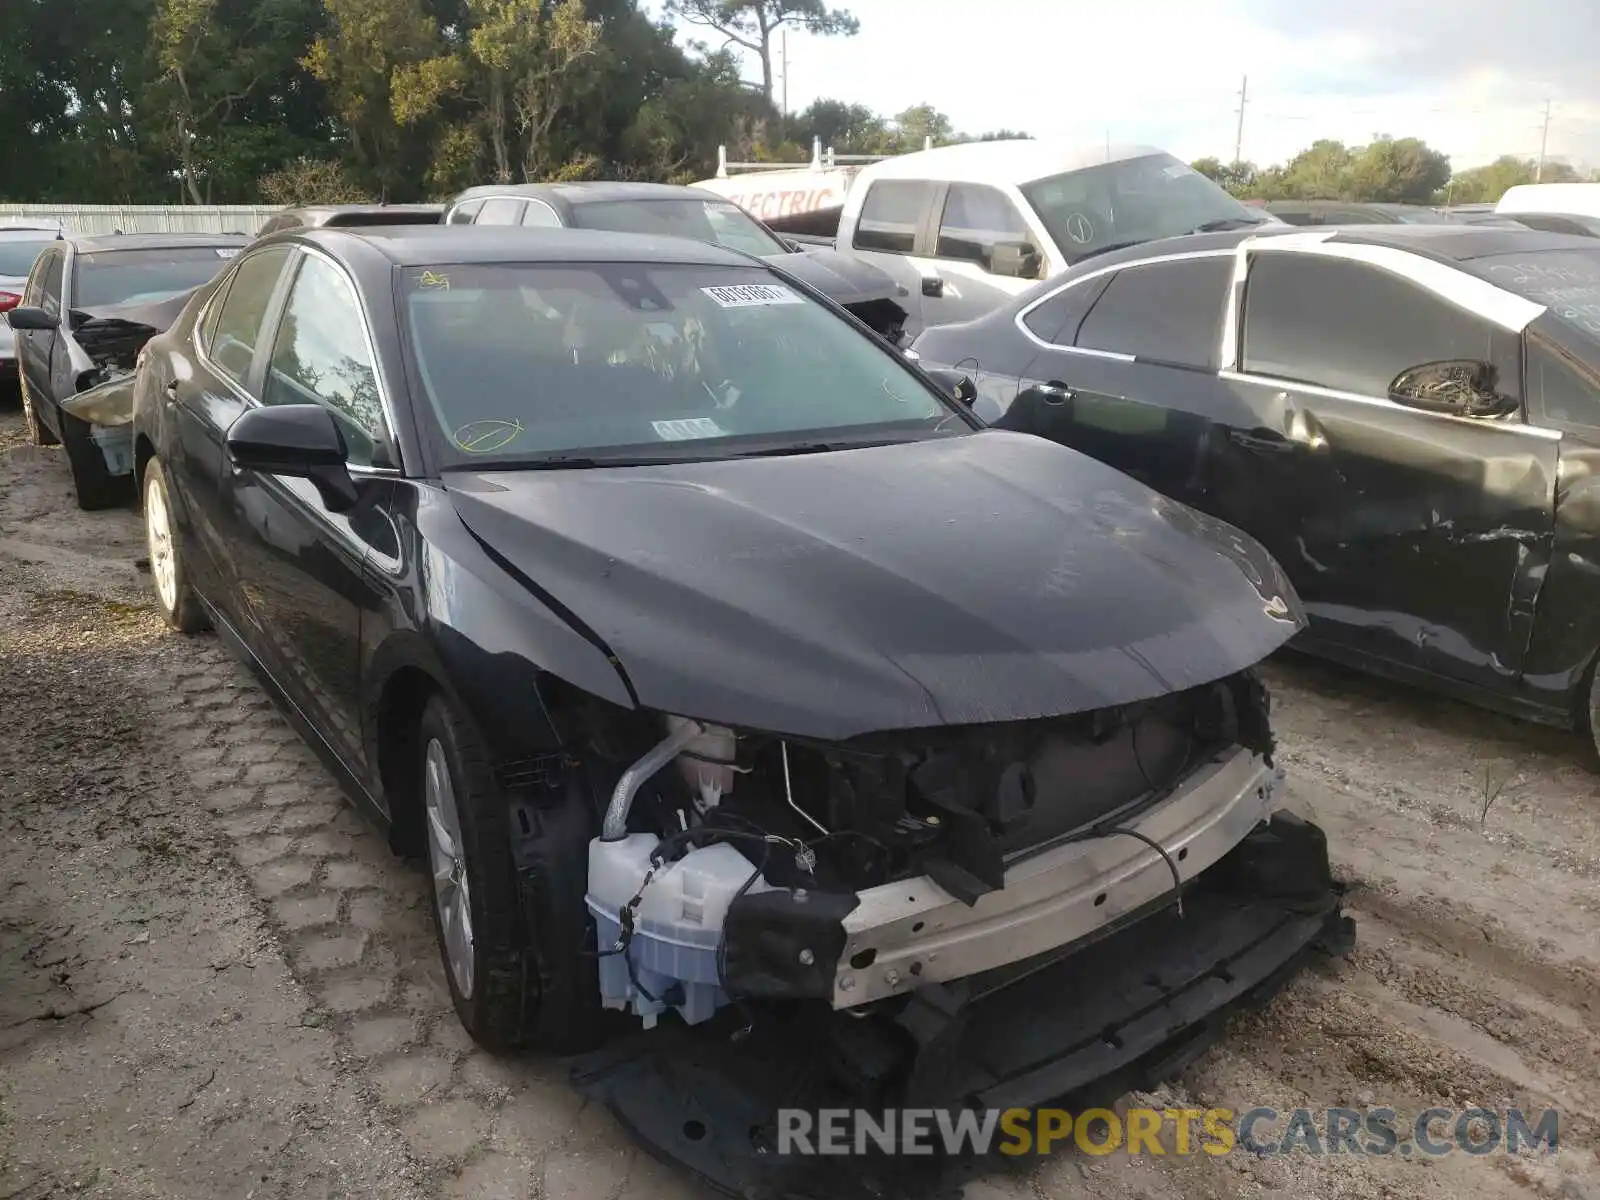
933	286
1272	443
1054	391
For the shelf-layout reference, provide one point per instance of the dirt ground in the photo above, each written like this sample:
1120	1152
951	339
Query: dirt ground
215	980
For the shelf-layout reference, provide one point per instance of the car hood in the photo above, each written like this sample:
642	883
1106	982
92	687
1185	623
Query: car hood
842	279
987	577
113	334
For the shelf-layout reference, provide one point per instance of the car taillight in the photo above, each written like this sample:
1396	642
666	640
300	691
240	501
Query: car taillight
8	301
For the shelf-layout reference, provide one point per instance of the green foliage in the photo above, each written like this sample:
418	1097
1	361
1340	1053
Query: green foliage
301	101
1486	184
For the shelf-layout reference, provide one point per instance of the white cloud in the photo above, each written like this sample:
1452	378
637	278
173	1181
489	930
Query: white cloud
1468	76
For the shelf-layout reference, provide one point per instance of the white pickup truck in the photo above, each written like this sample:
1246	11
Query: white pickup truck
965	228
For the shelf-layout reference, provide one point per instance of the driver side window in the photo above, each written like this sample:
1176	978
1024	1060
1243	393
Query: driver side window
977	216
321	357
49	273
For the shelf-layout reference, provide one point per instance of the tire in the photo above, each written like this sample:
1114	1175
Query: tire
38	432
96	487
524	981
164	542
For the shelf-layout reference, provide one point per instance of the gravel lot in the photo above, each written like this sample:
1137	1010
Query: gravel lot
215	980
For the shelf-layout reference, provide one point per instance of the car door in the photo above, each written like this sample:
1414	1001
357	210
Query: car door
963	279
35	347
304	565
1421	537
203	402
894	224
1128	375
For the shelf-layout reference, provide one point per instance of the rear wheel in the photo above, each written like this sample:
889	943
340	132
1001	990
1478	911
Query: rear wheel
168	569
510	924
38	432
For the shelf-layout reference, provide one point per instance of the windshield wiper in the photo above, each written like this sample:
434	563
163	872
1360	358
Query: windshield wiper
1220	224
557	462
1107	249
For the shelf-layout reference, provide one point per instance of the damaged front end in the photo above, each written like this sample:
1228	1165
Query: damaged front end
977	916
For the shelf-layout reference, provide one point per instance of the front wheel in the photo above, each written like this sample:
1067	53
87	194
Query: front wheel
510	937
168	569
38	432
95	485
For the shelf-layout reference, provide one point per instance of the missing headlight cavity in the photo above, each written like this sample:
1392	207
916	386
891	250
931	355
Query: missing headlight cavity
733	858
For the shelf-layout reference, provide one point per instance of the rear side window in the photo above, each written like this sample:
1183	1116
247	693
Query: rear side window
462	214
975	218
49	272
891	214
233	327
1056	320
1167	312
1354	327
541	215
502	211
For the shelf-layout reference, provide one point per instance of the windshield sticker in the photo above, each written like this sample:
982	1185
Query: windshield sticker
1177	170
432	280
227	253
748	295
688	429
485	437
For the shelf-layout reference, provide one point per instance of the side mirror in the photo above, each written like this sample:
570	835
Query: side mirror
958	384
299	440
1461	387
1014	260
31	318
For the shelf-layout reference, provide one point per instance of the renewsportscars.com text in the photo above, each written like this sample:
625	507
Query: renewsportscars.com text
1432	1133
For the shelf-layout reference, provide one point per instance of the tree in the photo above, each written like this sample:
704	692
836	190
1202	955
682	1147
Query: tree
1486	184
358	56
213	56
918	125
1403	171
1239	178
848	128
753	23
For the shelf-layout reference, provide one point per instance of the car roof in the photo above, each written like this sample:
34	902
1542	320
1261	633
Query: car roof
101	243
30	233
587	192
1448	242
429	245
1008	160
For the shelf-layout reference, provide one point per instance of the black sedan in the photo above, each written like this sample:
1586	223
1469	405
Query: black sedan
666	210
89	306
717	658
1407	417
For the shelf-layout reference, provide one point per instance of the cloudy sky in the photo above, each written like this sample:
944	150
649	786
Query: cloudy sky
1469	76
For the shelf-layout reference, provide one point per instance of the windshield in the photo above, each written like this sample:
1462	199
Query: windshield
1094	209
719	221
522	363
17	254
1566	281
108	278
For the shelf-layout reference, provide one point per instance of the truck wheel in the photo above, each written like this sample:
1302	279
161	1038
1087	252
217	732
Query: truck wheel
511	923
38	432
168	569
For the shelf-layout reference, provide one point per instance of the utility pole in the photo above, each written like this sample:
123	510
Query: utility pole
1544	142
1238	137
783	43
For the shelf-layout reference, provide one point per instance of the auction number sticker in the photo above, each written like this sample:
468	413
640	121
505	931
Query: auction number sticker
689	427
750	295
